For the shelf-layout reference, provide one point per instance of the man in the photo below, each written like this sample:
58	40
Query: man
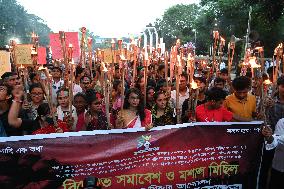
241	103
183	92
219	83
272	142
274	113
10	79
224	74
57	82
5	103
86	83
186	111
161	72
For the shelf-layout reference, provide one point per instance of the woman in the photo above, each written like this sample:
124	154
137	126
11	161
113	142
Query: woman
80	103
63	110
37	98
95	118
213	110
116	95
134	115
150	97
162	113
43	124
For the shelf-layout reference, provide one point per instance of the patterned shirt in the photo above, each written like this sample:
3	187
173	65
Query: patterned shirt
275	113
166	119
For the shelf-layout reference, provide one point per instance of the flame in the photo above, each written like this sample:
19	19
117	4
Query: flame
122	57
21	67
104	67
41	68
267	82
193	85
252	62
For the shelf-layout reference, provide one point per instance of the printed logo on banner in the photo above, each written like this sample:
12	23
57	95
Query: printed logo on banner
144	143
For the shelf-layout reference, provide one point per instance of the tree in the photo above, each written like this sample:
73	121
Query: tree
178	22
16	22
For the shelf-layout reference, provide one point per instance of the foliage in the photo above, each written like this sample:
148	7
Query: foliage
15	22
230	18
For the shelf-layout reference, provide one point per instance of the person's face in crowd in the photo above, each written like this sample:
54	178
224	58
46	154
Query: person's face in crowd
117	74
19	81
36	79
161	73
3	93
134	100
80	104
141	84
151	72
182	83
219	85
201	86
161	101
86	83
37	95
281	90
63	99
150	94
96	105
119	88
224	76
241	94
216	104
56	73
12	80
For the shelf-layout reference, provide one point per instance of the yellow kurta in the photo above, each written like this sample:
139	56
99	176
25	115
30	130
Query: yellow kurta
243	108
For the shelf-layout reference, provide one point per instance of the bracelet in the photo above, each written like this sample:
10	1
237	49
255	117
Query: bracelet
18	101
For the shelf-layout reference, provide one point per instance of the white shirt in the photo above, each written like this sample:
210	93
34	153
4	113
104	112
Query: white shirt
278	143
61	115
181	98
55	87
77	89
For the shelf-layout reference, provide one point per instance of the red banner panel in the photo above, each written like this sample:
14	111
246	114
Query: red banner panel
41	55
201	156
71	38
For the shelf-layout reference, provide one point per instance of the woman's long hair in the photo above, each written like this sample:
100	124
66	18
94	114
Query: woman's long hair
140	109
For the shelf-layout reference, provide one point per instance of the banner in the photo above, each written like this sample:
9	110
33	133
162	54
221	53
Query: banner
23	54
5	65
200	155
71	38
41	55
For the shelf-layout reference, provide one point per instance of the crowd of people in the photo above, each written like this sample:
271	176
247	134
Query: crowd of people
25	109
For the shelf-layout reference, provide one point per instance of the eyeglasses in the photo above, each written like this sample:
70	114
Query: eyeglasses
2	88
36	94
86	83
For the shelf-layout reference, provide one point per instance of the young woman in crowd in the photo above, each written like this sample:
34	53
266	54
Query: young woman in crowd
150	97
80	103
134	115
43	124
116	95
37	98
95	118
63	110
162	113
